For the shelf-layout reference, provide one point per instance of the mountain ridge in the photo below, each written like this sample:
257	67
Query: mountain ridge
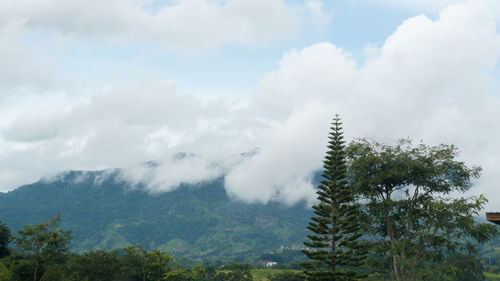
195	220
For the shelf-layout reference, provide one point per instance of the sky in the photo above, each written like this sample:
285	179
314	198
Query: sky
88	84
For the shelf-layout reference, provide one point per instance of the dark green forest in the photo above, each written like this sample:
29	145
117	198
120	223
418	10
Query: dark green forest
195	221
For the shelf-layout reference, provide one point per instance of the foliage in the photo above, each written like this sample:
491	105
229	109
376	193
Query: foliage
199	273
239	273
141	265
180	275
194	221
287	276
334	248
4	240
99	265
4	272
409	210
44	245
492	276
453	268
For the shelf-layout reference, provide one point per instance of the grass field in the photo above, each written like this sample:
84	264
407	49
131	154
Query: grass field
492	276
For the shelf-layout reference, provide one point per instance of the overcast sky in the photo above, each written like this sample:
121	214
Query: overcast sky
93	84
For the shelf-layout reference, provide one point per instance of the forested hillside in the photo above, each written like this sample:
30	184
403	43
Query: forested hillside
198	221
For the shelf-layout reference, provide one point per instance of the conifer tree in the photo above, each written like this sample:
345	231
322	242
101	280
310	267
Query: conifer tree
334	249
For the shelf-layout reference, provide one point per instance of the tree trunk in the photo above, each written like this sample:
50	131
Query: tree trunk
390	233
34	275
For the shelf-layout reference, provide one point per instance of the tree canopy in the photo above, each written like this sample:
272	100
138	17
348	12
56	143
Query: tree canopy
413	207
4	240
45	244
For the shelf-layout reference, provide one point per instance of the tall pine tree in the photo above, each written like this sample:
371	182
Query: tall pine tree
334	249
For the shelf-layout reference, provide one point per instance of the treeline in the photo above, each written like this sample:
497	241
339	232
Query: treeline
41	254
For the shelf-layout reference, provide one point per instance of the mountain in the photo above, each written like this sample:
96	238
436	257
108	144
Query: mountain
196	220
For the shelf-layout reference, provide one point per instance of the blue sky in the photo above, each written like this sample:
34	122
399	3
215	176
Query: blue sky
97	84
235	69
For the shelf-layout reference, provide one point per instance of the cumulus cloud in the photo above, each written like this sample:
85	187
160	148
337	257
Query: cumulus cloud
431	80
203	23
284	167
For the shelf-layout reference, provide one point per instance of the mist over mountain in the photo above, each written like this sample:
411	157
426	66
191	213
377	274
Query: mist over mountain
104	209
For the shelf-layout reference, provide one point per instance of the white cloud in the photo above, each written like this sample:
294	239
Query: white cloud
169	173
317	13
430	80
114	128
192	23
309	74
284	167
423	4
20	67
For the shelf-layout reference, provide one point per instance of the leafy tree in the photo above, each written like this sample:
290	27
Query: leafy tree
333	247
240	274
4	240
410	211
141	265
96	265
452	268
180	275
4	272
287	276
43	246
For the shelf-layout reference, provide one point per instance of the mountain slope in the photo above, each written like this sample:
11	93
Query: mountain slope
193	220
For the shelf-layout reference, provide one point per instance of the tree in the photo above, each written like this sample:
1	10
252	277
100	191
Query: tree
44	246
4	240
4	272
141	265
412	209
287	276
180	275
333	247
99	265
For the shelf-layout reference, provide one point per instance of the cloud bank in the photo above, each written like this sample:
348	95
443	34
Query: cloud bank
184	23
431	80
434	80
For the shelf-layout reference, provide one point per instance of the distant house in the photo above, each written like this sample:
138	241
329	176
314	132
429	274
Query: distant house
271	263
267	263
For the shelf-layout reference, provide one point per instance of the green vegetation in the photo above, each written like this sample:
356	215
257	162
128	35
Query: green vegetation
334	247
53	262
492	276
43	247
404	198
4	240
41	254
198	222
409	214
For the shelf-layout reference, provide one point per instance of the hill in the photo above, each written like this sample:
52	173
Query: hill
196	221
